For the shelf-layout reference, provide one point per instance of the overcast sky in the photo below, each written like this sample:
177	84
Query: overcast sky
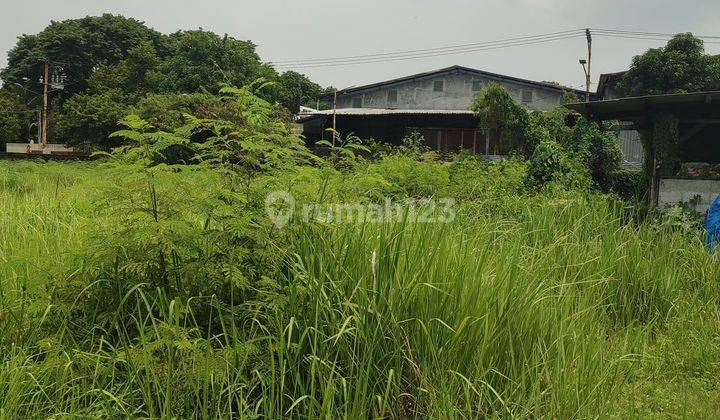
290	30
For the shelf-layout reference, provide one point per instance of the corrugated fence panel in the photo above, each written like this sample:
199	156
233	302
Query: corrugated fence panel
631	148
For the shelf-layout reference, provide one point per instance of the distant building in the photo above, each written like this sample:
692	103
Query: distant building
435	104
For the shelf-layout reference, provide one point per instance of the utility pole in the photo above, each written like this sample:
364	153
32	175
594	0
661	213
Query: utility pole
39	126
46	84
589	61
334	116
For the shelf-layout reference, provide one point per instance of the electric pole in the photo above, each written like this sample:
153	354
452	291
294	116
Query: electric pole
589	61
334	116
46	83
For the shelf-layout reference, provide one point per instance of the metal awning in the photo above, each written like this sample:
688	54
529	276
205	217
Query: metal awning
694	105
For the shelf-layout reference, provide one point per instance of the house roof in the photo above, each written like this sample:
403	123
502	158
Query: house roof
378	111
608	80
454	70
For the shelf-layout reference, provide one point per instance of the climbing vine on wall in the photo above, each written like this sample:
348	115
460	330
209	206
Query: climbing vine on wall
662	143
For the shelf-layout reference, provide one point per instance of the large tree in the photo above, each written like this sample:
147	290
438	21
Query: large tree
681	66
14	118
78	47
201	60
295	90
110	63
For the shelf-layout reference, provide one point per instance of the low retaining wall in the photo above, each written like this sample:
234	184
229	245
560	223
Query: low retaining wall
36	148
702	192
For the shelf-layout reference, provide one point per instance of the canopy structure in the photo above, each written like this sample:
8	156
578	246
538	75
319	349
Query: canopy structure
695	146
690	108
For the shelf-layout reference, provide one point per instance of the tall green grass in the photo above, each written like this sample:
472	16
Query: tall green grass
538	306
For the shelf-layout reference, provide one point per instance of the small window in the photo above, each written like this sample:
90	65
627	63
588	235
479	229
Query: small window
438	86
392	95
357	102
477	85
527	96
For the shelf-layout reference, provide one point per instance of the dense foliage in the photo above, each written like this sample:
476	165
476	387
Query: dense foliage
109	63
597	150
14	118
158	283
681	66
168	290
500	114
165	290
556	149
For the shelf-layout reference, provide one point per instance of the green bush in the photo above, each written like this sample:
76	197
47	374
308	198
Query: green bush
628	183
547	163
13	118
598	150
473	177
499	112
166	112
408	177
88	119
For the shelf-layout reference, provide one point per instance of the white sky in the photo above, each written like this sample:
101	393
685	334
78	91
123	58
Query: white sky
290	30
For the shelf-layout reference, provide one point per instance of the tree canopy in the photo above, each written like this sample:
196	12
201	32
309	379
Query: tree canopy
681	66
13	117
109	63
78	47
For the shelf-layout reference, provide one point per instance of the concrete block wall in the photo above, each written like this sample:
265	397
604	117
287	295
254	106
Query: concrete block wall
457	94
673	191
35	147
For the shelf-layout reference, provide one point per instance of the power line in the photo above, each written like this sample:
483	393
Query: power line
429	50
476	47
663	34
647	38
410	56
417	56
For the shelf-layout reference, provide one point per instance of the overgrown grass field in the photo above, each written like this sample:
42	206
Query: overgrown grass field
561	305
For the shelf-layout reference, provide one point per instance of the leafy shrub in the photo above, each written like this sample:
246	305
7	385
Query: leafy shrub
12	119
547	163
173	231
628	183
555	123
88	119
498	112
413	145
408	177
167	112
473	177
576	177
598	150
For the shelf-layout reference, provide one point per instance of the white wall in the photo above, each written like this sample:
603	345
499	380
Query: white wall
36	147
675	191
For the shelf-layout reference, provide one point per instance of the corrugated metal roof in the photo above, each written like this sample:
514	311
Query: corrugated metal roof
380	111
627	109
457	70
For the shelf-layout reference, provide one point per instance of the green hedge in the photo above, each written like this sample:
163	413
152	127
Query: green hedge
628	183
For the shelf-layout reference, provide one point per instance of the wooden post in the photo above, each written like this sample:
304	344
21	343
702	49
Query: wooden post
587	76
46	83
334	116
